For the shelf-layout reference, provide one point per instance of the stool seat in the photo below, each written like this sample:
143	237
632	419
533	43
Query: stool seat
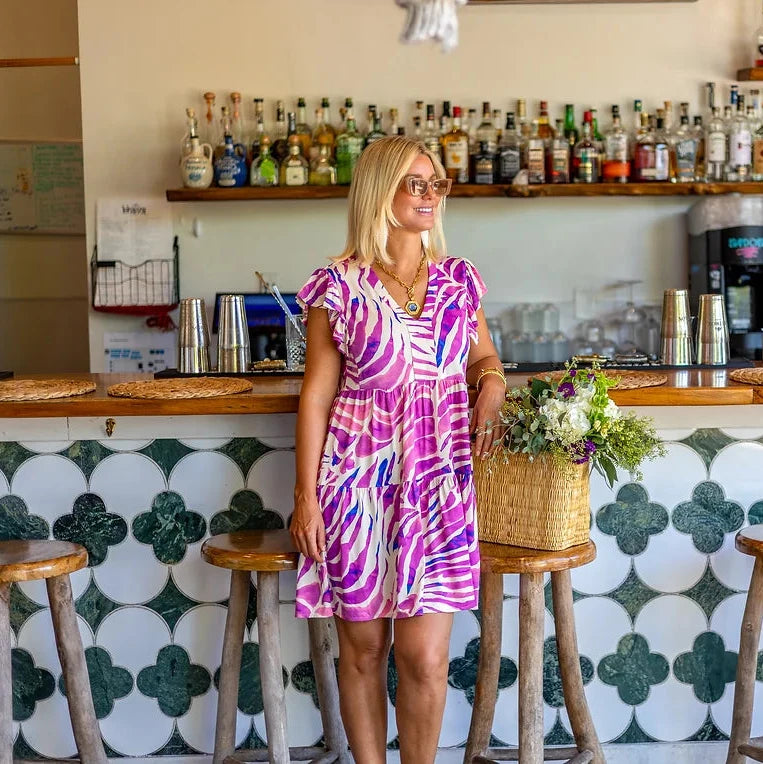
270	550
501	558
750	541
33	560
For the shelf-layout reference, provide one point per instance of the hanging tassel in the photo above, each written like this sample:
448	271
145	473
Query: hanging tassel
431	20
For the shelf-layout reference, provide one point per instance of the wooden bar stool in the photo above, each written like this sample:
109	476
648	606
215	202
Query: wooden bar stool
530	564
53	561
268	553
748	541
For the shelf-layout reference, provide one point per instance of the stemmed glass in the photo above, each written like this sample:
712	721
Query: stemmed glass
630	324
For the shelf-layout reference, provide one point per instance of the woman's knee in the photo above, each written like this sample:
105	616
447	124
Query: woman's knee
364	650
423	665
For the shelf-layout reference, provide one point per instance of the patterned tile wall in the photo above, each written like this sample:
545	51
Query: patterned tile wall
658	613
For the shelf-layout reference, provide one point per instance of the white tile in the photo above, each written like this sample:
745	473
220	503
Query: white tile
456	719
147	576
272	477
197	725
295	644
610	568
119	632
670	624
732	568
671	480
200	631
672	711
738	468
722	711
671	562
727	621
198	579
303	718
610	715
465	629
48	731
675	433
743	433
204	444
506	719
36	636
46	446
510	630
124	444
206	480
139	728
600	624
4	485
37	590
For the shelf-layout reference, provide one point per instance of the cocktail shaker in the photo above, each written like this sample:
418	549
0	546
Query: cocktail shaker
675	330
712	331
193	337
233	352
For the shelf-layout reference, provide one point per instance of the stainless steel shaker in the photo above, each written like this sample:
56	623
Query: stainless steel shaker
712	331
675	330
233	351
193	337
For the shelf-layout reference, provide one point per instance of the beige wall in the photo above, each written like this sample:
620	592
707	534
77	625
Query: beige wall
43	279
142	64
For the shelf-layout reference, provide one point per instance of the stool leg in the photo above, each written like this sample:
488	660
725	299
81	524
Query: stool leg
273	695
322	657
748	653
87	734
531	606
488	668
6	688
230	667
569	666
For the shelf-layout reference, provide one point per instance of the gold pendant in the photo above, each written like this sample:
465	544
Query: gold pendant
412	308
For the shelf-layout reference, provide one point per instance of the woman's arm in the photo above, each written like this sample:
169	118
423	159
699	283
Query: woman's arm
322	369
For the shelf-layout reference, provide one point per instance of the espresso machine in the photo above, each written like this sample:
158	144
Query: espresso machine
726	257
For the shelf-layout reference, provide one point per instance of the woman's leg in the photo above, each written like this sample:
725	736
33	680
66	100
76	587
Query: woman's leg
363	653
421	656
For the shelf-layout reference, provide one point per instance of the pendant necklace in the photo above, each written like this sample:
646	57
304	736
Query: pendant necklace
412	307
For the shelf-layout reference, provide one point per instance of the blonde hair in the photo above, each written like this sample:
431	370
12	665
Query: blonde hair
377	177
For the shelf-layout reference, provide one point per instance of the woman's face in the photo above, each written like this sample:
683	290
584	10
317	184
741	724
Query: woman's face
416	213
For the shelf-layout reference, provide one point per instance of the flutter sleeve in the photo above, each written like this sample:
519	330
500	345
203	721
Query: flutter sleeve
475	290
323	290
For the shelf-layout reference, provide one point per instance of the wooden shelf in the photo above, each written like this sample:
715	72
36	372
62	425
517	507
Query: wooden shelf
750	75
472	191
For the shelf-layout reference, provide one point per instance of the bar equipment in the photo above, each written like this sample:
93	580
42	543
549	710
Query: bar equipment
233	353
712	331
675	331
193	337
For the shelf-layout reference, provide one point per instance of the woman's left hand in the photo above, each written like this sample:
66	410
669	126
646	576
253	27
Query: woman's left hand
486	430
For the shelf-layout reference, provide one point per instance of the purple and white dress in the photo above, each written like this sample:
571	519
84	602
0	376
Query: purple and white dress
395	478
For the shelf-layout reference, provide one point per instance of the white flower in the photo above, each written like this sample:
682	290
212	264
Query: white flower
612	411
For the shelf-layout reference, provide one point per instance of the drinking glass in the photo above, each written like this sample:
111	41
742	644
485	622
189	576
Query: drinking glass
295	347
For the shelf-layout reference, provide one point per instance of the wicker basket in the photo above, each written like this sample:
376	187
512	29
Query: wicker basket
539	504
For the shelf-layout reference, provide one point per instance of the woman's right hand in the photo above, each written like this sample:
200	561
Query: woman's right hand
307	529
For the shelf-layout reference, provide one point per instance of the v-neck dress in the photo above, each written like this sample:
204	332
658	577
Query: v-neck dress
395	478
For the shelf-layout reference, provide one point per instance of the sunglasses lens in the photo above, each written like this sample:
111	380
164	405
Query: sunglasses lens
441	187
417	186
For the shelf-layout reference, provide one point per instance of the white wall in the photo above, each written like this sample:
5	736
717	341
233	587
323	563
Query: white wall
143	63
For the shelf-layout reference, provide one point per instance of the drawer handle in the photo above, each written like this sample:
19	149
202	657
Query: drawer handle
110	425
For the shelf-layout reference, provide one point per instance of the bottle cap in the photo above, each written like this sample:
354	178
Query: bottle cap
235	96
209	96
264	141
638	105
293	140
300	103
325	102
588	116
456	111
544	105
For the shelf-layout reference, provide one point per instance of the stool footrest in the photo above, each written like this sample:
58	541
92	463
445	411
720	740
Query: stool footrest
569	755
753	749
313	754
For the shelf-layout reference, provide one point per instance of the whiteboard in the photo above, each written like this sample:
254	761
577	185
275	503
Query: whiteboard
41	187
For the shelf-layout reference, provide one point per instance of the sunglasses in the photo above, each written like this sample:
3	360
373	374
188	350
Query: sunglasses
418	186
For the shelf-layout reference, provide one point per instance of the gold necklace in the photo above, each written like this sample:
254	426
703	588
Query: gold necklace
412	307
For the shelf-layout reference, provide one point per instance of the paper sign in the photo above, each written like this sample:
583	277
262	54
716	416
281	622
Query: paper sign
133	230
142	352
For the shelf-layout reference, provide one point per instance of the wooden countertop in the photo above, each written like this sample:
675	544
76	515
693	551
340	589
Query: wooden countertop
280	395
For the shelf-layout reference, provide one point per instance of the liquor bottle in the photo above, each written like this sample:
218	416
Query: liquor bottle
758	53
196	164
498	125
662	149
349	146
668	118
484	164
544	126
598	138
210	132
652	159
259	128
455	150
586	156
535	151
280	147
303	130
734	97
640	126
683	153
757	153
401	130
377	132
370	117
230	168
323	169
226	130
321	134
469	126
558	156
420	113
570	131
295	168
711	96
510	152
486	130
237	123
191	129
716	148
445	123
418	134
524	126
740	145
393	126
617	168
264	170
325	105
699	137
431	135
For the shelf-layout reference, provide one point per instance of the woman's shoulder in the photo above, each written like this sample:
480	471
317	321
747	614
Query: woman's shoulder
458	268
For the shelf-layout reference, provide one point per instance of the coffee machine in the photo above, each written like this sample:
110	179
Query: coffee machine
726	257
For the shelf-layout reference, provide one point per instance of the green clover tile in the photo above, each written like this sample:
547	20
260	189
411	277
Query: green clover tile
176	745
709	732
755	514
708	592
86	454
708	516
245	452
173	680
709	667
21	608
252	741
171	603
558	735
553	693
22	750
17	523
392	676
169	527
91	525
250	685
633	669
12	456
462	672
303	679
633	593
632	519
93	605
30	684
246	513
166	452
108	683
634	734
708	443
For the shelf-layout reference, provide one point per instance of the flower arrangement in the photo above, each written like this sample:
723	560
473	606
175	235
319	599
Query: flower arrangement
574	419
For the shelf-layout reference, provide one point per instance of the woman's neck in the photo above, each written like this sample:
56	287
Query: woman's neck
404	247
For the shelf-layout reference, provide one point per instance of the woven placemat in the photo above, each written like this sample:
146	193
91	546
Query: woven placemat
748	376
43	389
628	380
201	387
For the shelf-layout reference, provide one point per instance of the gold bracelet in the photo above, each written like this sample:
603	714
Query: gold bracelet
490	370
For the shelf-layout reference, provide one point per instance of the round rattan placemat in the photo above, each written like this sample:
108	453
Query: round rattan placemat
748	376
628	380
203	387
43	389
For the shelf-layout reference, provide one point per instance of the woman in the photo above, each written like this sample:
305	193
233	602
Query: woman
384	501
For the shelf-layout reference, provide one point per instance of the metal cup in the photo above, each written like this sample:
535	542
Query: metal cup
233	352
712	331
675	330
193	337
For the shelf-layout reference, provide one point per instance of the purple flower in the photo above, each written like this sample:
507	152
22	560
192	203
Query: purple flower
572	372
567	389
584	451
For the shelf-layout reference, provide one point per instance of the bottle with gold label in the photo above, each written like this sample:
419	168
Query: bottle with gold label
323	169
455	149
196	164
295	168
322	134
303	130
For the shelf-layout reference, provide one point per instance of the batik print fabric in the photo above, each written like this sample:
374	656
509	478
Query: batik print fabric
395	479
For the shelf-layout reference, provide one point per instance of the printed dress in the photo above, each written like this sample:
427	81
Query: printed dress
395	479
